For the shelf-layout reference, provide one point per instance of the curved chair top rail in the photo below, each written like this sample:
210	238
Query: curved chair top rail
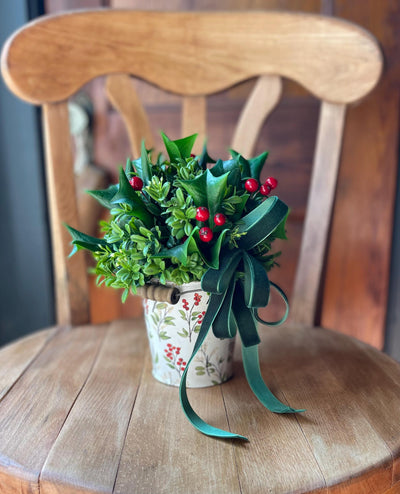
190	53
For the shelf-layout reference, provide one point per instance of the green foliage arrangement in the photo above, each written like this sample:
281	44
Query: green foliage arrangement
170	220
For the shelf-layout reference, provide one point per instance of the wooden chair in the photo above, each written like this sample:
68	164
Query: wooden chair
79	409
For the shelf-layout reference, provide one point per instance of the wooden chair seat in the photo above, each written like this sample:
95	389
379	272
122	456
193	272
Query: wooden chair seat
81	412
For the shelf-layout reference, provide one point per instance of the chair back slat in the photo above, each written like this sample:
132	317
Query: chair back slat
318	214
70	275
194	119
262	100
123	96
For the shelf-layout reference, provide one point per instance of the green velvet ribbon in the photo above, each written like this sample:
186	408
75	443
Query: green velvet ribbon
237	289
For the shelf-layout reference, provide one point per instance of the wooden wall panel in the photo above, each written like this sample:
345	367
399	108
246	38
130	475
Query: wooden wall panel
357	274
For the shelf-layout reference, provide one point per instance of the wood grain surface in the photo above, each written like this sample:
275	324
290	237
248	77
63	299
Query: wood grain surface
39	63
194	120
358	270
83	414
262	100
71	285
121	92
319	209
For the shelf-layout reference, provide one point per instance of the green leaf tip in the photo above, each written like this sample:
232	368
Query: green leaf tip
180	148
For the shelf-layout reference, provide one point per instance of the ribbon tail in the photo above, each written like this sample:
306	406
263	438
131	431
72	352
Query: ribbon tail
214	306
283	318
254	378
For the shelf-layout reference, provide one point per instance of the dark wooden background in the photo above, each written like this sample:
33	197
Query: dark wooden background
355	290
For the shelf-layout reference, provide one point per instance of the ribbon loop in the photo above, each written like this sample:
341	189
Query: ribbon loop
256	282
217	280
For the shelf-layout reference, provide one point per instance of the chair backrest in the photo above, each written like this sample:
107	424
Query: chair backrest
193	54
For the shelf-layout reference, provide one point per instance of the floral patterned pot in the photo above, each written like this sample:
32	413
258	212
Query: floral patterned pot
172	331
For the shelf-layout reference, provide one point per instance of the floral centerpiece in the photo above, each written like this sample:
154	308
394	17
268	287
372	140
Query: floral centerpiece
176	221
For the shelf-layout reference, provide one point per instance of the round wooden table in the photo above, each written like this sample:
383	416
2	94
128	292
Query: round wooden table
80	412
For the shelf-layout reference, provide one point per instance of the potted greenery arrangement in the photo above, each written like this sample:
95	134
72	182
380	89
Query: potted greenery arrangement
206	235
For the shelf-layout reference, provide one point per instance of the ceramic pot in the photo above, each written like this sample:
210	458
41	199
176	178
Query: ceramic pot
172	331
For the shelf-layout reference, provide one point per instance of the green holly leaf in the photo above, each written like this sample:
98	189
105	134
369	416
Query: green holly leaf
211	256
82	241
105	196
240	207
256	164
185	145
243	164
231	166
216	249
280	230
197	189
180	251
205	157
126	195
129	171
180	148
216	188
207	190
144	170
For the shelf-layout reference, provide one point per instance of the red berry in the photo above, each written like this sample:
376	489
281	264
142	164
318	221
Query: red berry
202	214
219	219
265	189
272	182
137	183
206	234
251	185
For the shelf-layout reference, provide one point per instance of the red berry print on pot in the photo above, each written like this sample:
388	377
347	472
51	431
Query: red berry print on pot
251	185
272	182
265	190
219	219
202	214
136	183
205	234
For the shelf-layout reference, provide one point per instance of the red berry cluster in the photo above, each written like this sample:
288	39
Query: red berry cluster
197	299
203	214
137	183
181	363
200	317
252	185
270	184
185	304
170	351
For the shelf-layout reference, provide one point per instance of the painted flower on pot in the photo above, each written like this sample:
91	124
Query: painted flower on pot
171	354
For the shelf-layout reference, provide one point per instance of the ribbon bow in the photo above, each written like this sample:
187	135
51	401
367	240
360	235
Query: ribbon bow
238	288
